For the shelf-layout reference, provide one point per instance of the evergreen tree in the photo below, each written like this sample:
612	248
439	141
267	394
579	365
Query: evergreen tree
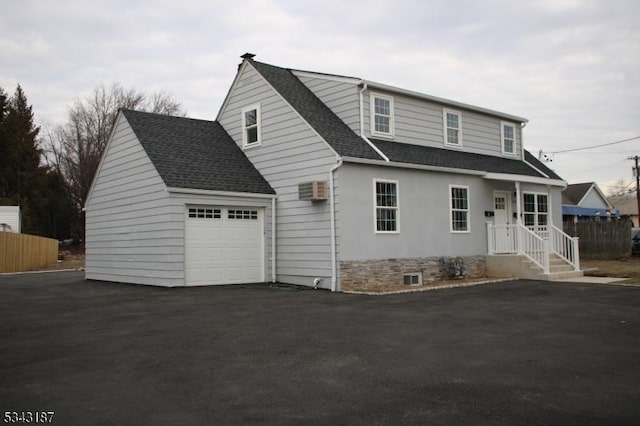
20	171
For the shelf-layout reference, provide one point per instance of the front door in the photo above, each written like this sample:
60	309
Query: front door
504	234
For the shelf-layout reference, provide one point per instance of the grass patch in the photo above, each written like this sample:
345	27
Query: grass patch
619	268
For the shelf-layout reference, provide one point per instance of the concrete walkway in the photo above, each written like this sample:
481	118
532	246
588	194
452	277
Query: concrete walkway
593	280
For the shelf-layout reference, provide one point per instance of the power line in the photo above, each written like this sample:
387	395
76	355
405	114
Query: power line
616	185
595	146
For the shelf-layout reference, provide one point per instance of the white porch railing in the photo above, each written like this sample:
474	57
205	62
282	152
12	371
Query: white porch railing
536	243
565	246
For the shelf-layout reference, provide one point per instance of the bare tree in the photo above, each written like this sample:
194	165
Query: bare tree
619	188
77	145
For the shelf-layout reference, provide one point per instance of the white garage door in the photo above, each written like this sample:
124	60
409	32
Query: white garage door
224	245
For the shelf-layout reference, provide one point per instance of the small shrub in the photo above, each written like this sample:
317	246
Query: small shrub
453	268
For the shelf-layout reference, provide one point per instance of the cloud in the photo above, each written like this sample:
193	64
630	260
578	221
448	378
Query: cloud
572	67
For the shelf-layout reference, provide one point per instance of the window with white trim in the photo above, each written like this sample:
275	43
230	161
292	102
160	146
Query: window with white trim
452	122
251	132
381	115
459	208
508	136
386	206
536	209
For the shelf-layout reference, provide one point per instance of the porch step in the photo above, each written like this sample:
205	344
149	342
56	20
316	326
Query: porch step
520	266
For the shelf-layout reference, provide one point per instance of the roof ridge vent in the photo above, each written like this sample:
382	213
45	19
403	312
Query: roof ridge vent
248	56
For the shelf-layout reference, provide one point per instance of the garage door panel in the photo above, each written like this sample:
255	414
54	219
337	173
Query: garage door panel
225	249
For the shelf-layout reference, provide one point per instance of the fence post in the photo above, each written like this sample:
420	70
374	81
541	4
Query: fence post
519	239
547	250
490	241
576	253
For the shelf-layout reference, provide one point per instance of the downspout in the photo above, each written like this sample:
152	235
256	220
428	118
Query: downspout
334	251
273	239
364	87
362	135
522	126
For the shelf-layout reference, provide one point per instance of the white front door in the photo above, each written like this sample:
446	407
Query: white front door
504	234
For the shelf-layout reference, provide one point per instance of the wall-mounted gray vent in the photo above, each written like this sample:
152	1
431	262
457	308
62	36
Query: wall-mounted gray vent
313	191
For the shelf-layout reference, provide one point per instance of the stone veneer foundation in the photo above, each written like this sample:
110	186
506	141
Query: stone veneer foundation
373	274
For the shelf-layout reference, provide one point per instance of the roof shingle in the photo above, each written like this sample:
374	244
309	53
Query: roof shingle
575	192
195	154
441	157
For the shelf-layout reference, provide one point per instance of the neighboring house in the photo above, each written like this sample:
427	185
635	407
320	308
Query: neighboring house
10	219
320	180
627	205
584	202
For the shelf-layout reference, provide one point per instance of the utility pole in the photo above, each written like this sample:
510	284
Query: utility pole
637	173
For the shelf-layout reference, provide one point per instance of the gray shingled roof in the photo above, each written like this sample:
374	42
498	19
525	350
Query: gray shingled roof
540	165
441	157
324	121
195	154
575	192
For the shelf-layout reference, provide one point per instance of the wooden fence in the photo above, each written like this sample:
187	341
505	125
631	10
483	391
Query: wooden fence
22	252
602	240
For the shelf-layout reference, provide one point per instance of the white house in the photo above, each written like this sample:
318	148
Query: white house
583	202
322	180
10	219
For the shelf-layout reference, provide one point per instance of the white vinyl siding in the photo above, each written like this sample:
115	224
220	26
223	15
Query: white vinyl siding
381	115
386	205
10	218
452	127
459	208
340	96
508	137
291	153
420	122
130	235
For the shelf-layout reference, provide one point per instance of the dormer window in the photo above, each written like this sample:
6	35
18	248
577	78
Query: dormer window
508	135
452	127
381	115
251	133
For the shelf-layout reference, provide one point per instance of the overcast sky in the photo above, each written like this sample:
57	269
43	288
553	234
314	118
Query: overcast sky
571	67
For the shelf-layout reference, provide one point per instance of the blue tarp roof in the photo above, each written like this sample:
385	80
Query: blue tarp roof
586	211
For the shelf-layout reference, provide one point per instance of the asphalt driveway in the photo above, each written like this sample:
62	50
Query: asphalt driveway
509	353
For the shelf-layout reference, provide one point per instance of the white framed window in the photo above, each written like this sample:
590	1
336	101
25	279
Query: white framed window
452	126
459	208
381	115
508	137
536	209
251	129
386	214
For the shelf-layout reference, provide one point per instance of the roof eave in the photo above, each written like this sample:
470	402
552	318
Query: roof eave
194	191
525	179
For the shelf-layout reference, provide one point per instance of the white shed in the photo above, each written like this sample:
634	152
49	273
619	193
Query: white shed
10	219
175	202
